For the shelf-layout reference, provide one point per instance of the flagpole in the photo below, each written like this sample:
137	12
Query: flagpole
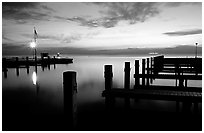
35	51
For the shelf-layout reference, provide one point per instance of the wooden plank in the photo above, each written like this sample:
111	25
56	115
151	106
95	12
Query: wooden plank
170	76
155	94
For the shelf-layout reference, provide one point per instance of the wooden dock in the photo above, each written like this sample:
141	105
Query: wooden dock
180	69
25	62
16	62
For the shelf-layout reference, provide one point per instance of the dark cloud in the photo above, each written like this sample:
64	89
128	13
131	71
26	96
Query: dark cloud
117	11
184	33
175	4
133	12
24	12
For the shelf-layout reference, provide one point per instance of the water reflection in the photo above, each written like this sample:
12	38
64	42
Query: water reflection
90	81
34	78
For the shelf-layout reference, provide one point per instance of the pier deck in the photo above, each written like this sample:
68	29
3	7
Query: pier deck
26	62
178	69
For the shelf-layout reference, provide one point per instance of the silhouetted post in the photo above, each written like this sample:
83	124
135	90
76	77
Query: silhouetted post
42	60
151	79
147	71
108	77
70	98
43	67
54	62
108	74
127	75
143	72
48	58
27	65
127	83
17	67
196	50
177	72
181	80
136	76
4	64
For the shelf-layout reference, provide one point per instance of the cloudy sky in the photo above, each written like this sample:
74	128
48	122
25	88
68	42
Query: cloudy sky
102	25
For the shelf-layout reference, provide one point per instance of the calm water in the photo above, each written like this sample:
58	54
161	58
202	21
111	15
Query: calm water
48	88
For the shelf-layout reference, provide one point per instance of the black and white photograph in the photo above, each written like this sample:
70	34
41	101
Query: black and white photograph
101	66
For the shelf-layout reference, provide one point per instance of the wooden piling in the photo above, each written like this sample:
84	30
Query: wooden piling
108	77
151	79
143	72
4	67
70	97
147	71
136	76
48	59
108	74
27	65
17	66
54	62
127	75
127	83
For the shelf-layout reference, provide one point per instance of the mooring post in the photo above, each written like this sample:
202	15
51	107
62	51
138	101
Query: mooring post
177	73
27	65
70	98
151	79
42	60
108	74
136	76
54	62
127	83
127	75
143	72
4	64
17	66
147	71
48	58
108	77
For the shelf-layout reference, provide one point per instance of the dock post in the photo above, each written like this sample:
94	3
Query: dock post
48	58
54	62
127	83
27	65
151	79
143	72
147	71
108	74
17	66
4	64
42	60
136	76
127	75
70	98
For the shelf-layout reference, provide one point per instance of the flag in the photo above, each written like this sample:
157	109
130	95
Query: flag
35	34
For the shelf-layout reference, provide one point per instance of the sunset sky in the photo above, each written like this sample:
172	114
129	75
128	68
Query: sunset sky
102	25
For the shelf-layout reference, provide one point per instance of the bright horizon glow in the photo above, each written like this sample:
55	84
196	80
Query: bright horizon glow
103	26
